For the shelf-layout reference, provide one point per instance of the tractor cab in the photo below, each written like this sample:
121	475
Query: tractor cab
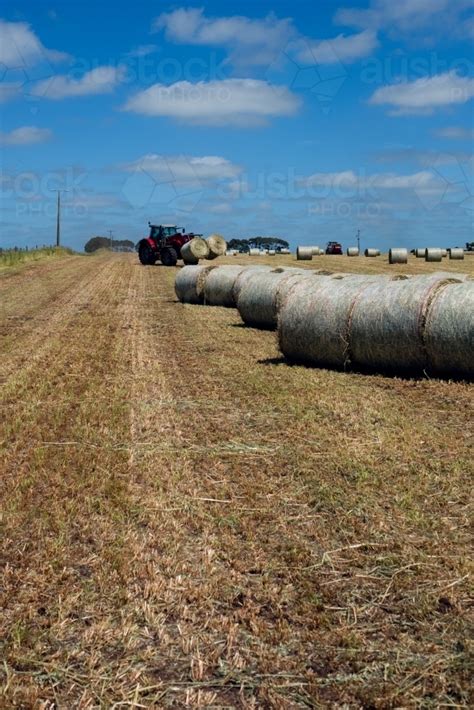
163	231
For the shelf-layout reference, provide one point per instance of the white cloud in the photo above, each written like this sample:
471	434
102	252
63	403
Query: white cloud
409	16
185	168
240	102
101	80
143	50
250	41
348	180
25	135
456	133
340	49
426	94
20	47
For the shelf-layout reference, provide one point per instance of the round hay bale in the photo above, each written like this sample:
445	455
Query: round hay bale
217	246
433	254
449	330
304	253
398	255
254	252
258	299
243	276
372	252
218	286
352	251
189	283
194	250
444	253
420	253
386	325
271	252
284	251
314	318
456	253
316	251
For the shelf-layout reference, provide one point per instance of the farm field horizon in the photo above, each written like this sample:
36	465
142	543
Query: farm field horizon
189	520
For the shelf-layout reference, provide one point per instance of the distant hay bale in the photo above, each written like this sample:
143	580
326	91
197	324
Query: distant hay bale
217	246
259	297
194	250
386	324
254	252
372	252
218	286
284	251
189	283
304	253
420	253
456	253
433	254
314	319
449	330
316	251
444	253
398	255
352	251
271	252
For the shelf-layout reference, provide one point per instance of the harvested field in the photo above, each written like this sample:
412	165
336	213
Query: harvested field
189	521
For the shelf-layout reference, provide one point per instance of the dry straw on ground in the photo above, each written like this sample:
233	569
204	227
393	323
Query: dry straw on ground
217	246
448	334
386	328
398	255
189	283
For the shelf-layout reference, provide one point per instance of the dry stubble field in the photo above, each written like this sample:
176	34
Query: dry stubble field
189	521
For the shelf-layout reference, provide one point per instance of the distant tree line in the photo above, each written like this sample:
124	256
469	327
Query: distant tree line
105	243
257	243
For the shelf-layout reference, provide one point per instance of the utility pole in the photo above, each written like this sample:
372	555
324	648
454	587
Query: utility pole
358	240
58	217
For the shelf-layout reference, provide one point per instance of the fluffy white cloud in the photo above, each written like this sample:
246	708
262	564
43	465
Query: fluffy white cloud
342	48
424	95
25	135
101	80
231	101
250	41
21	48
350	181
456	133
205	168
409	16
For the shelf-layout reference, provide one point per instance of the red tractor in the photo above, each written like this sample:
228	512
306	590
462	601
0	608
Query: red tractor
163	244
333	248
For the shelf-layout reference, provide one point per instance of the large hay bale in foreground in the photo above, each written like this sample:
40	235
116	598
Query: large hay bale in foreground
217	246
398	255
244	275
313	321
433	254
258	299
372	252
189	283
449	330
304	253
420	253
219	284
194	250
456	253
352	251
386	328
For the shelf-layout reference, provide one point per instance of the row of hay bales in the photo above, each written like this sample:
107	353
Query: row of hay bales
398	255
384	322
199	248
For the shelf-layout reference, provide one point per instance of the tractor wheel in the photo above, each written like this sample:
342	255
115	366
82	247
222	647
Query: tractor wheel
169	257
146	254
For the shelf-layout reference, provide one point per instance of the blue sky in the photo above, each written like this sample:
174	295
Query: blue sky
294	119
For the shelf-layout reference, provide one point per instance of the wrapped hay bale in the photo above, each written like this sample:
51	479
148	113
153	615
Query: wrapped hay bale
449	330
304	253
284	251
386	325
456	253
313	321
258	299
398	256
217	246
372	252
194	250
254	252
189	283
352	251
444	253
420	253
271	252
433	254
243	276
316	251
